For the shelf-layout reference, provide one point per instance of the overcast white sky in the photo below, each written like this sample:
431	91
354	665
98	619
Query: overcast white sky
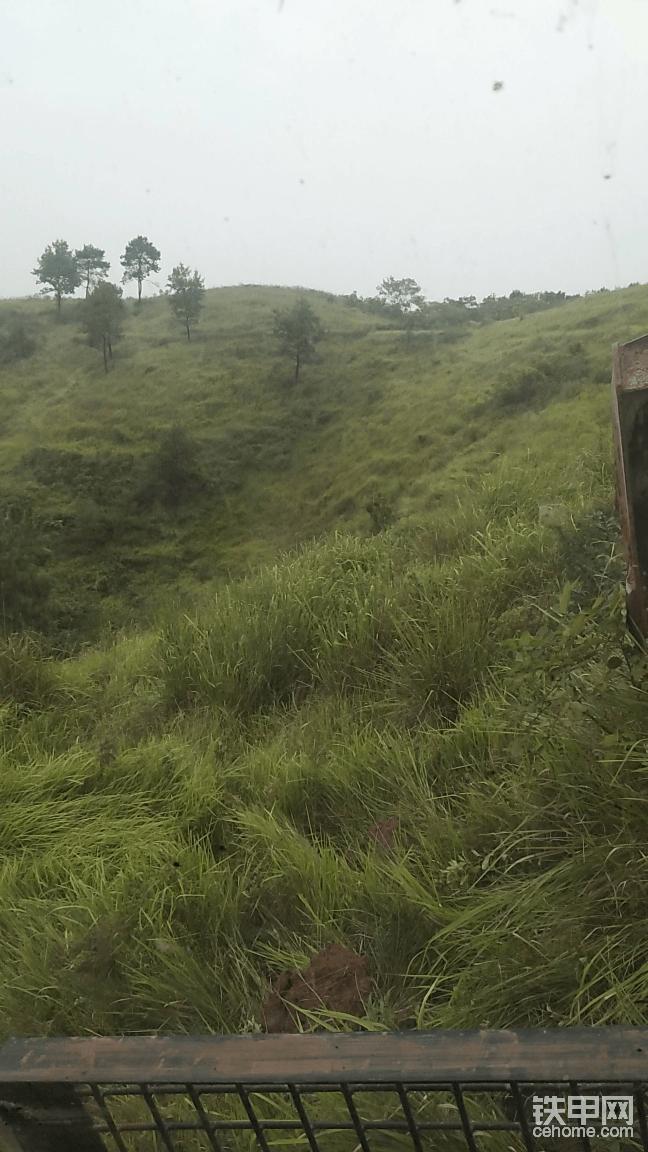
330	143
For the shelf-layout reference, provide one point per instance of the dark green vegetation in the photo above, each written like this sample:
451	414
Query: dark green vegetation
61	271
103	317
16	339
139	260
91	265
400	297
298	333
186	296
205	711
57	270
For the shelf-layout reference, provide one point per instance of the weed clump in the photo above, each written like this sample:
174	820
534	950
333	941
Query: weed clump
381	512
24	583
538	384
174	476
16	344
27	675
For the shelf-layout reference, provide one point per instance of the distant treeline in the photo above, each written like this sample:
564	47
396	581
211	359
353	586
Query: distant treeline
449	313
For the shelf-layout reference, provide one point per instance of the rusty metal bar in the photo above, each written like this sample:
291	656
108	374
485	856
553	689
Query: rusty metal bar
630	420
525	1054
587	1147
465	1119
359	1127
90	1094
520	1112
411	1122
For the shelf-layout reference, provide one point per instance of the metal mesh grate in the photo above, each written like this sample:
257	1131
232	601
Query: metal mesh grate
64	1094
451	1117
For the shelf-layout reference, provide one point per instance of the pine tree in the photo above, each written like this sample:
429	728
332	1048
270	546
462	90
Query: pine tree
58	271
91	265
187	292
139	260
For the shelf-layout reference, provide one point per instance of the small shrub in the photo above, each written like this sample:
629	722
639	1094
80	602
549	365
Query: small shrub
17	344
537	384
106	477
24	587
452	336
26	675
381	512
173	475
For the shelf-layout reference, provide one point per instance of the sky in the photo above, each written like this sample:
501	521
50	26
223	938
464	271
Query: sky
477	146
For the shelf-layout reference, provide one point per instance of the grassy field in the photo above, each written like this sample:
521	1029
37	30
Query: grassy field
258	674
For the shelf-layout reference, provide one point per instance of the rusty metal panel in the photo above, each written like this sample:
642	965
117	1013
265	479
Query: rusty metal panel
630	419
442	1086
443	1055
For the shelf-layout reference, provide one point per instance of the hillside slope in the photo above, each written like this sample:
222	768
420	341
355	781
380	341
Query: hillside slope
192	805
195	461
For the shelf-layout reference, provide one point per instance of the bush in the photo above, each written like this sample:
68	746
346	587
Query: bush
174	476
16	344
24	586
537	384
317	621
26	675
107	477
381	512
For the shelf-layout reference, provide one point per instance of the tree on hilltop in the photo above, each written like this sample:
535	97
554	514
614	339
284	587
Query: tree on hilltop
103	318
400	296
91	265
139	260
58	271
186	295
298	330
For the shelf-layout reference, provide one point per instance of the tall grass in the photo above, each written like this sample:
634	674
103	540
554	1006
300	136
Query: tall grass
160	882
186	809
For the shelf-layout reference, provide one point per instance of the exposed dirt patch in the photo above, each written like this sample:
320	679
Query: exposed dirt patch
382	834
337	978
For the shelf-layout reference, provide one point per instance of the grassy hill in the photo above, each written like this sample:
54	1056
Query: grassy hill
384	417
345	616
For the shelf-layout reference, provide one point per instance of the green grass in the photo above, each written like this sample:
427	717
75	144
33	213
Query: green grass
186	801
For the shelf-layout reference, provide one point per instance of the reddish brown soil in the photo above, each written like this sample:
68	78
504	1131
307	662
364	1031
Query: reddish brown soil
336	978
